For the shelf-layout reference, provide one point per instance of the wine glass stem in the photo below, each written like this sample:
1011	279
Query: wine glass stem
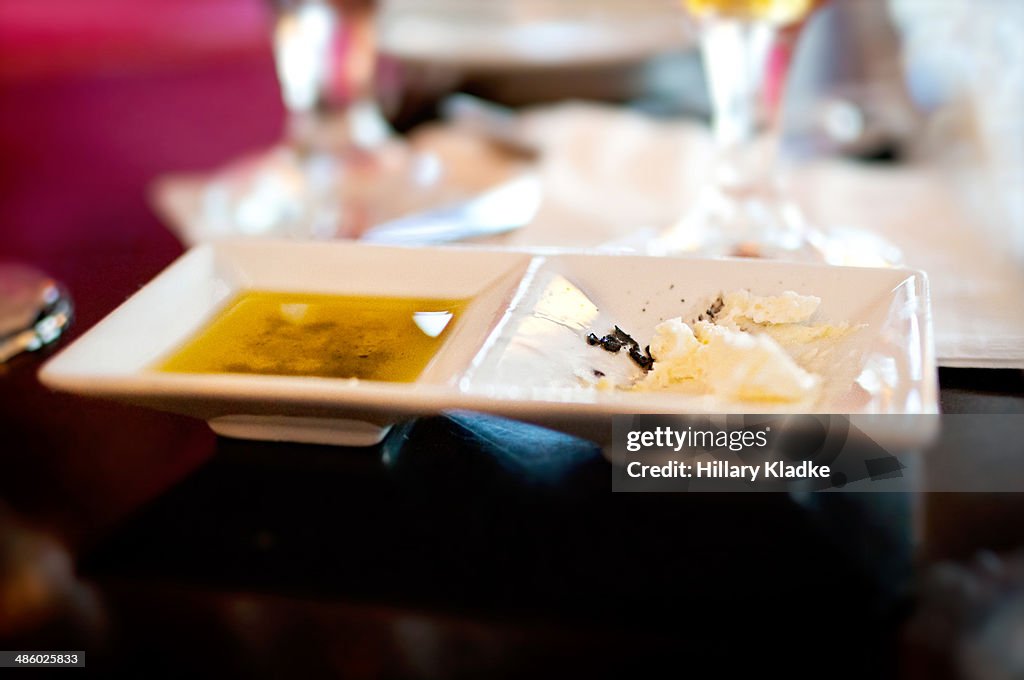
735	55
325	54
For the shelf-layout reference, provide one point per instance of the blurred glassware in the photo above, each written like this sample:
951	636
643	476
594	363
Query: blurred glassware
35	310
964	67
846	93
341	169
742	210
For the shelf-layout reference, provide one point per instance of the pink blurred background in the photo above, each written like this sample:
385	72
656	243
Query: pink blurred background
46	37
97	98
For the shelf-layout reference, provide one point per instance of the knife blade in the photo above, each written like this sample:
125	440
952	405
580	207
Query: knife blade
507	207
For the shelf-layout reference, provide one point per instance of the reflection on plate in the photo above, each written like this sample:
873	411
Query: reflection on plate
518	349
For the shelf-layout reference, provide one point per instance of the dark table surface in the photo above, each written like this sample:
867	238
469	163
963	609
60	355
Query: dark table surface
462	546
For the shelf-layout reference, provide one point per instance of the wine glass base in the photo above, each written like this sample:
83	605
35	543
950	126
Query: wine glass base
837	246
320	195
348	193
762	224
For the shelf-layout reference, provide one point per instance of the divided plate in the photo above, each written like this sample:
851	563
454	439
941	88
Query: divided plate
517	351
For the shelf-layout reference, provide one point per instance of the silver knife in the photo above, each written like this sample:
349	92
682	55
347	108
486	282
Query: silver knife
504	208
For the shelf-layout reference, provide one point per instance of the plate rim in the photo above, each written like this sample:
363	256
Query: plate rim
412	398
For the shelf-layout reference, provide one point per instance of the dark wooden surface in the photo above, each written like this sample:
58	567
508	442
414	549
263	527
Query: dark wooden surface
462	547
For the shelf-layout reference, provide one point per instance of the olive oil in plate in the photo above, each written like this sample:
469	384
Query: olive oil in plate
329	336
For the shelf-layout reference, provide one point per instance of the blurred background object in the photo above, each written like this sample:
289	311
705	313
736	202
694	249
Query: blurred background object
42	601
340	170
964	64
969	624
516	33
528	52
743	208
96	100
35	310
846	93
43	38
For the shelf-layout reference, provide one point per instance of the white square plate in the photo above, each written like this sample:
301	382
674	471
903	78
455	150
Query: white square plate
516	351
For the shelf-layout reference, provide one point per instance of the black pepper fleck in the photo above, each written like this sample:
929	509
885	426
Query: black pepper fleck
616	340
639	359
715	308
611	344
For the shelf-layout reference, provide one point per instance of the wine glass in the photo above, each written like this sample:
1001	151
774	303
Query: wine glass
742	210
340	169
